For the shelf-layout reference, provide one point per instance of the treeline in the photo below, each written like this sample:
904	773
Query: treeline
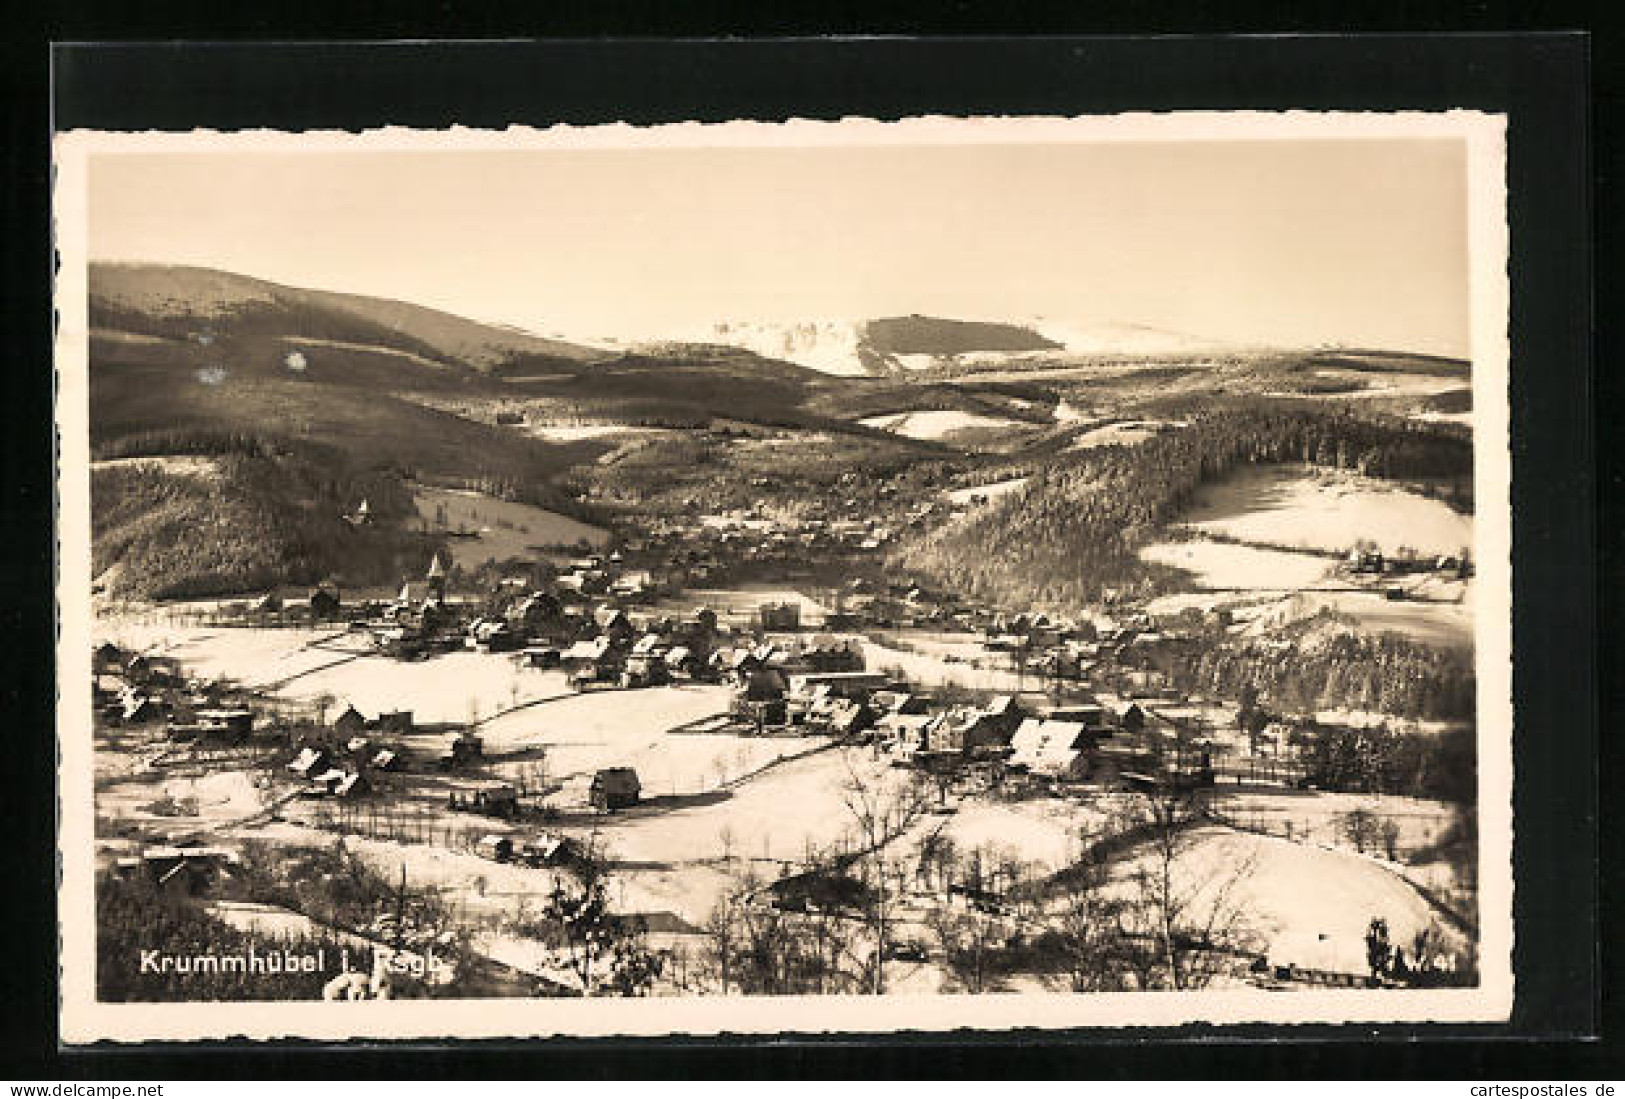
256	522
1074	534
1387	674
1380	760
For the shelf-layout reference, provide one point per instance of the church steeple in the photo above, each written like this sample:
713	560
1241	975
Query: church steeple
437	577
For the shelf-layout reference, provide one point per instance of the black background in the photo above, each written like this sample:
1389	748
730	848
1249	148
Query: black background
1540	81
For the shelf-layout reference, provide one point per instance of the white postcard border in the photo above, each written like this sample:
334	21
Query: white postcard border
84	1020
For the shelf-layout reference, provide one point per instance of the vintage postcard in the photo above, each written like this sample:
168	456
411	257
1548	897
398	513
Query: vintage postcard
953	573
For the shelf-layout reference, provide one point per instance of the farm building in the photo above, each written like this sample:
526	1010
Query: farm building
1004	715
393	721
646	669
464	747
829	654
614	788
231	724
1094	717
494	847
351	720
324	602
848	718
964	731
338	782
1319	958
779	616
586	653
900	702
353	785
105	689
634	584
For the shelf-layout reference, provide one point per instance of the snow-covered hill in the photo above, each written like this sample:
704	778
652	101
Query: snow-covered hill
830	346
909	345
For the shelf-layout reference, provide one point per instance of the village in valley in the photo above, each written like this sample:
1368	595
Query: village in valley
764	758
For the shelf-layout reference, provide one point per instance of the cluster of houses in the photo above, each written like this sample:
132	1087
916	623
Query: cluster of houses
178	871
134	689
1368	561
345	761
1127	742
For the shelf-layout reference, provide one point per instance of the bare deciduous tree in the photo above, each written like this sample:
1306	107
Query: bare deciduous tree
1180	928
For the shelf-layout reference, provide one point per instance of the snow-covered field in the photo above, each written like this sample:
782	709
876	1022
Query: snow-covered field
930	670
1043	831
303	665
504	529
934	424
1319	817
569	433
1330	510
1224	565
1128	433
1390	385
583	733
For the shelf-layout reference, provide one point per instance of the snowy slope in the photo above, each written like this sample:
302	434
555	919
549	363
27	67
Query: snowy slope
842	346
1115	338
827	345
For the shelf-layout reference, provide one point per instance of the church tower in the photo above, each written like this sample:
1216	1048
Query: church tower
437	578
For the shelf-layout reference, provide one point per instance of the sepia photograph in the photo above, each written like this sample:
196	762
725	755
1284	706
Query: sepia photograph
935	574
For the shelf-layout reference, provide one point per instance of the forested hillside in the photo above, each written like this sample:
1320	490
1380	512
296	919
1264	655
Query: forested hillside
1073	535
255	515
1385	674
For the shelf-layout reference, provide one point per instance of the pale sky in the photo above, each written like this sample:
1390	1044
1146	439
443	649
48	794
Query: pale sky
1354	241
